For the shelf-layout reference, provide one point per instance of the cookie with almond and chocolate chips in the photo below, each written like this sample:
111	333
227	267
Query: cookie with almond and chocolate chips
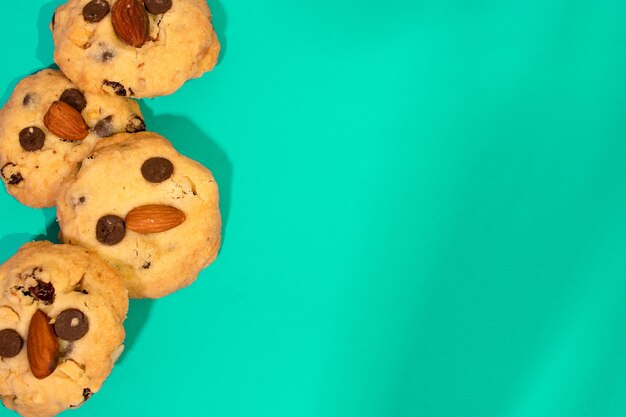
134	48
48	126
152	213
61	327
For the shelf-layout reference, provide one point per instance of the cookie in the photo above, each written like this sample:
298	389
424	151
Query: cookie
152	213
134	48
61	315
48	126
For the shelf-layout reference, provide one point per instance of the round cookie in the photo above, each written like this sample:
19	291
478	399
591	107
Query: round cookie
152	213
61	315
48	126
136	48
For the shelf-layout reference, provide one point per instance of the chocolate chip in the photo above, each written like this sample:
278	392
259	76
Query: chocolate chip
32	138
96	10
16	179
106	56
27	100
110	229
74	98
52	21
43	291
104	128
158	6
118	88
87	394
146	265
157	169
81	200
135	124
71	325
12	178
11	343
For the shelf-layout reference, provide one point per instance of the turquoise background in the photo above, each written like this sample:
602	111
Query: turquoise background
424	205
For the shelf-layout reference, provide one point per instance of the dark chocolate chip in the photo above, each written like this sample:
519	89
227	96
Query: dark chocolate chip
132	93
71	325
74	98
110	229
43	291
106	56
146	265
135	124
118	88
52	21
11	178
96	10
16	179
157	169
104	128
32	138
11	343
158	6
87	394
105	52
27	100
81	200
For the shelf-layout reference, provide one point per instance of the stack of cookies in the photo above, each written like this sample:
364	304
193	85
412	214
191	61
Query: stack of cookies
137	218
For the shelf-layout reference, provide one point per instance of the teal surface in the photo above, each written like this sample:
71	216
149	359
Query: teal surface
425	213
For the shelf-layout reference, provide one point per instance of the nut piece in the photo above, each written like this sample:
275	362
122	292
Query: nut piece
42	346
154	218
65	121
130	22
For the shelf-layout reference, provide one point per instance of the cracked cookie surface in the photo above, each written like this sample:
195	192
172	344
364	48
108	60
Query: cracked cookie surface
48	126
133	48
149	211
61	327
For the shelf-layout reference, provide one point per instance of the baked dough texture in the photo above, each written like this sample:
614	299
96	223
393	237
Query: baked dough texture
181	45
126	172
59	280
33	174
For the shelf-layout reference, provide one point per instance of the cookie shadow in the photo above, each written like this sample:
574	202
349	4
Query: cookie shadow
218	19
45	46
9	244
191	141
138	313
52	226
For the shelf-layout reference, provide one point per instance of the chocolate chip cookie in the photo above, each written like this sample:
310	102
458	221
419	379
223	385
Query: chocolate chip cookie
152	213
48	126
61	315
134	48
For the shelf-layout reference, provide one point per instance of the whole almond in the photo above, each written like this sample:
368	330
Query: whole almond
130	22
154	218
42	346
65	121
